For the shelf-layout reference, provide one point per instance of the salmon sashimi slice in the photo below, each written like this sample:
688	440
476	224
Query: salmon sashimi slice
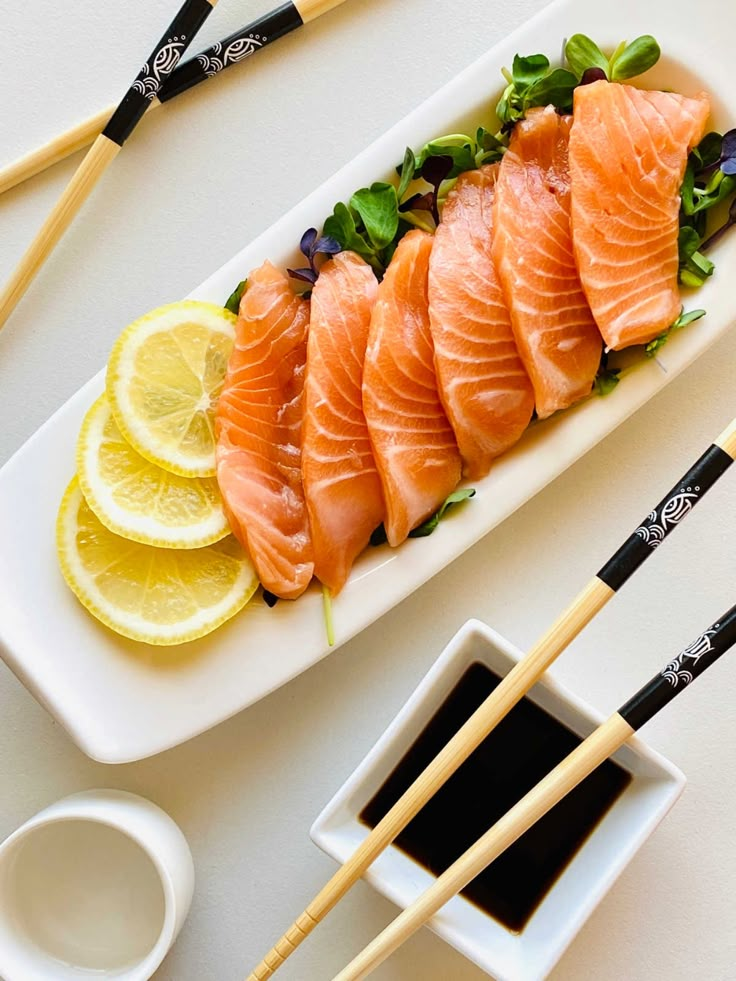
556	334
341	482
258	428
416	453
483	384
628	152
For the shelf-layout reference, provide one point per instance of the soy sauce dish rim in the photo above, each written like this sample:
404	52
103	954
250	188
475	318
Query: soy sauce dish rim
655	786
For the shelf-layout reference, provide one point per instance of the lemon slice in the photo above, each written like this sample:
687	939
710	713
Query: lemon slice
163	380
139	500
156	595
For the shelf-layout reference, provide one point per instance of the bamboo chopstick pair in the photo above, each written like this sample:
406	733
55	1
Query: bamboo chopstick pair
601	744
160	79
676	675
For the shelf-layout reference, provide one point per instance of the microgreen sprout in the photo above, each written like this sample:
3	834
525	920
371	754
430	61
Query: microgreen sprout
683	320
370	225
427	527
327	614
311	246
434	171
233	301
607	378
730	221
532	81
588	63
695	268
710	178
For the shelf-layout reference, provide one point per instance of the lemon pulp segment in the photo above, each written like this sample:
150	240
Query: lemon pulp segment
164	378
138	499
155	595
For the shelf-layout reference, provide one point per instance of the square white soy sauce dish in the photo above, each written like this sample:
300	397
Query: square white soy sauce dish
655	786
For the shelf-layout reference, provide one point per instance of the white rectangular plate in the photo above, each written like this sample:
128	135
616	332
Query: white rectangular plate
122	701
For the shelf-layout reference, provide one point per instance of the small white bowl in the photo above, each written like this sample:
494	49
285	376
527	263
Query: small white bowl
96	885
655	786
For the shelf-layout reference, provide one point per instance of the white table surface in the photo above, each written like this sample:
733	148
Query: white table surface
203	177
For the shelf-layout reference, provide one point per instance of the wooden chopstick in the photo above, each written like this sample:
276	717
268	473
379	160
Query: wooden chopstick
213	60
622	565
162	61
602	743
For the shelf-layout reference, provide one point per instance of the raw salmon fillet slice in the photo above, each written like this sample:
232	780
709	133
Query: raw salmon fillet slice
258	428
628	152
341	482
557	338
414	446
483	384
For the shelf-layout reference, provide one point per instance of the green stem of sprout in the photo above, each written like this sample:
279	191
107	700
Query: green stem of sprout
327	612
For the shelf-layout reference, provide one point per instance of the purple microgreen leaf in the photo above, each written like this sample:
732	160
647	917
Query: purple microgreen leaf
436	169
326	246
306	246
305	275
418	202
728	146
593	75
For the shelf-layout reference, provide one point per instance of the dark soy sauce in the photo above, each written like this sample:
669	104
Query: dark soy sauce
524	747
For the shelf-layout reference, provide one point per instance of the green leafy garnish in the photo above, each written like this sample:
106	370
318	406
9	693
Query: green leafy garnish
682	321
581	54
697	198
695	268
466	153
634	59
459	148
607	378
371	225
606	381
532	82
233	301
406	171
427	527
710	178
378	208
627	61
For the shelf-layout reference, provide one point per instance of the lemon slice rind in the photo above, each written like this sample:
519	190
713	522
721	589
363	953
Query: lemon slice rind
125	622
